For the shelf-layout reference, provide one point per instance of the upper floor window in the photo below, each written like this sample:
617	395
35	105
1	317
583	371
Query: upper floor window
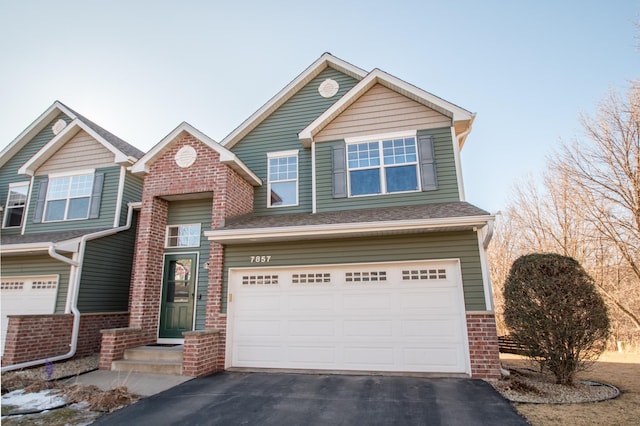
383	166
68	197
283	178
183	235
16	201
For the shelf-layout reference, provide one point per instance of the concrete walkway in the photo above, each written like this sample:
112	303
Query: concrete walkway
138	383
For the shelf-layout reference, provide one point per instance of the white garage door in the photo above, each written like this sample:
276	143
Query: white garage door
27	296
372	317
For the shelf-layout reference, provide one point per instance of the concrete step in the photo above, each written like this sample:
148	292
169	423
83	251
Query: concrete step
142	366
154	353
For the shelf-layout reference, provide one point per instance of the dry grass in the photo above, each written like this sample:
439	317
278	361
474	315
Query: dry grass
620	370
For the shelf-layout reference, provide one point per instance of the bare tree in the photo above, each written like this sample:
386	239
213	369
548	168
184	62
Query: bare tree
603	171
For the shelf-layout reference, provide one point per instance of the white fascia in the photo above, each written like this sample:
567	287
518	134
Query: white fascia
62	138
378	76
458	163
33	129
226	157
484	237
255	234
326	60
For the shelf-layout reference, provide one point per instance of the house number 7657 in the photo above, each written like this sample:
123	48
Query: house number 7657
260	259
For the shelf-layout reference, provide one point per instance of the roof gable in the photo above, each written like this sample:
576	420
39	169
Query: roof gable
52	112
226	156
458	115
65	135
326	60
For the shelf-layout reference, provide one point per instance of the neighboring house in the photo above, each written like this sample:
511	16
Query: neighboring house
67	236
338	234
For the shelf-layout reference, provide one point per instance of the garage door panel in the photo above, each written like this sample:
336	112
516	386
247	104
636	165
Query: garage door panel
368	328
359	301
388	317
249	328
260	302
311	328
315	302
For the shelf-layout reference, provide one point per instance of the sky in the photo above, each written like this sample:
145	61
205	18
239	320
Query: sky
139	68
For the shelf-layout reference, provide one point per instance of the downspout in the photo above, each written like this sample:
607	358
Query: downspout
74	288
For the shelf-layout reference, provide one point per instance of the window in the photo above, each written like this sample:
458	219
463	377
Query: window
183	235
383	166
68	197
283	179
16	201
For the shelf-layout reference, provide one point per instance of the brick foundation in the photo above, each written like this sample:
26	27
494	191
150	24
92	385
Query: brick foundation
201	353
483	345
32	337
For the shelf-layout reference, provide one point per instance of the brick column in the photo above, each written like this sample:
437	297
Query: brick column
200	353
115	341
483	345
147	277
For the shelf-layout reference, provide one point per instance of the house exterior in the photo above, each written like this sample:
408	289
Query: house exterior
329	231
67	237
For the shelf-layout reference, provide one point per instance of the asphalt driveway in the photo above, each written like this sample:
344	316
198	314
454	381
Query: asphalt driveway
311	399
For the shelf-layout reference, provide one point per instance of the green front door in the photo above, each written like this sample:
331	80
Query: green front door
178	291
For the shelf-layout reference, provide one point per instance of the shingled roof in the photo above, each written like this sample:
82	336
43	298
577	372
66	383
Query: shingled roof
380	214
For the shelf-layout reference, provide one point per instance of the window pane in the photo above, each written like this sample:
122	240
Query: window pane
283	168
78	208
399	151
55	210
58	188
402	178
183	236
365	182
363	155
81	186
284	193
17	196
14	216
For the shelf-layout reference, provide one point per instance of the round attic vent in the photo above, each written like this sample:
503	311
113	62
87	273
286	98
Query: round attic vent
58	126
328	88
185	156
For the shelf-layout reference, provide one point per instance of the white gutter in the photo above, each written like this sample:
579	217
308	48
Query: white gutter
74	289
343	228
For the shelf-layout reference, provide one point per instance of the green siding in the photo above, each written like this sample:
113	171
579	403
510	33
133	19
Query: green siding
9	171
107	206
279	132
106	272
440	245
195	211
20	266
132	193
445	166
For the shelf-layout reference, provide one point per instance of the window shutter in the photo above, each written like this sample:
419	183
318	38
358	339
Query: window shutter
96	196
40	200
427	163
339	172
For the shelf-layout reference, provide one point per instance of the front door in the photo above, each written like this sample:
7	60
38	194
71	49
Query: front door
178	291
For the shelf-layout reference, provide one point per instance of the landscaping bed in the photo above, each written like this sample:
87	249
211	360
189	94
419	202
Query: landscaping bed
543	402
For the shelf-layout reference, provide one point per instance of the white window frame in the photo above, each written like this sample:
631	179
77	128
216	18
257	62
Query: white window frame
68	197
7	208
382	167
168	235
283	154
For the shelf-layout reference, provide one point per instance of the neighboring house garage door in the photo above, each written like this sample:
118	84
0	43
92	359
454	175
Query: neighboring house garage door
25	296
371	317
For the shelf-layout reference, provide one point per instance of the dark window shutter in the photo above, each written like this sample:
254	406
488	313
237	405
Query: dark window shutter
338	160
40	200
96	196
427	163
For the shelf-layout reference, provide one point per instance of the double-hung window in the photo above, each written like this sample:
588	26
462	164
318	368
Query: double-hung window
16	202
68	197
283	178
183	235
383	166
